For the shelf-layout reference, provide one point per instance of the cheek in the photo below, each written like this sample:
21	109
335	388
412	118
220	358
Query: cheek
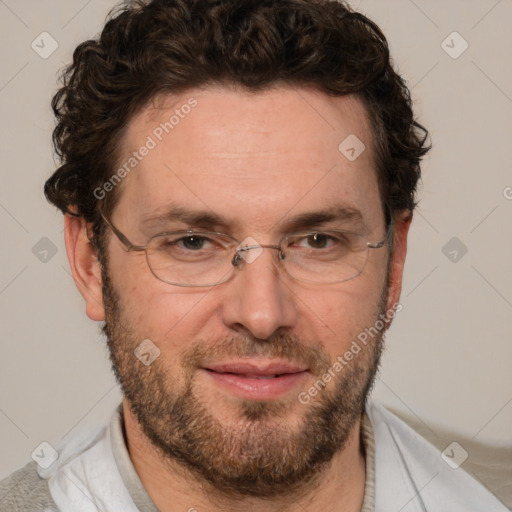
339	315
170	319
154	309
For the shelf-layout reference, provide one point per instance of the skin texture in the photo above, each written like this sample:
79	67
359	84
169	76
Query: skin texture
257	160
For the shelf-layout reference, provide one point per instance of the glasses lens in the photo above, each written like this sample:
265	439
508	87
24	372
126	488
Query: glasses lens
188	258
191	259
330	257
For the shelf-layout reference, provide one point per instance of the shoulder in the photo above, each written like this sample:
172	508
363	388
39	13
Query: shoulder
26	491
31	488
412	473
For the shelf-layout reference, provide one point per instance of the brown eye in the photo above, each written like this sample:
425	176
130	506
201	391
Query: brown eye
318	240
192	242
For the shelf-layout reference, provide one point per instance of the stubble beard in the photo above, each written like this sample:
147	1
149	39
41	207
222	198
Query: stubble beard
257	453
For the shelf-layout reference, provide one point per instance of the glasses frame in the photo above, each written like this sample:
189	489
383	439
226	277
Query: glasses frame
129	246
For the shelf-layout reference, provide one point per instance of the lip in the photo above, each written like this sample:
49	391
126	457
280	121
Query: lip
263	368
262	380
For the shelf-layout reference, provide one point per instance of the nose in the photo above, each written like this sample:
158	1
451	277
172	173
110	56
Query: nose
259	297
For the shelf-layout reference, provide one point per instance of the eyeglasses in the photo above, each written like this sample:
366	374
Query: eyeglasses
205	258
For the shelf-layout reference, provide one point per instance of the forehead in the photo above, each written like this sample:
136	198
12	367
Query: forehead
258	155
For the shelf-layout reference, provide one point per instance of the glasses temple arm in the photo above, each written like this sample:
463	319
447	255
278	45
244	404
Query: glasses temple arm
122	238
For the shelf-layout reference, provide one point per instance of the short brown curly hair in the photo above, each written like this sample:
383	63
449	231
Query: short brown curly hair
149	48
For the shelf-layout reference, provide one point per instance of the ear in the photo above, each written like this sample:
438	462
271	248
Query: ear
84	264
396	265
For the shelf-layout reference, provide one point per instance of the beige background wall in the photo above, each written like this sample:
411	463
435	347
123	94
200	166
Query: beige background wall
449	353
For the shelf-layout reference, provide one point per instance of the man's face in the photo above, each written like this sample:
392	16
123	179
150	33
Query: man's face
258	161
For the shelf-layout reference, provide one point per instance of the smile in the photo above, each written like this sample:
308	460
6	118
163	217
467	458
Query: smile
253	381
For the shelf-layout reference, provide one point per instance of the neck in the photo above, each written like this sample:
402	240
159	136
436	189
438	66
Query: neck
171	487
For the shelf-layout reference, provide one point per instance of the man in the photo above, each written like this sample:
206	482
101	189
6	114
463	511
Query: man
238	180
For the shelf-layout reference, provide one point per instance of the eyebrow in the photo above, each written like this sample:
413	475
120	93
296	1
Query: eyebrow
212	221
313	219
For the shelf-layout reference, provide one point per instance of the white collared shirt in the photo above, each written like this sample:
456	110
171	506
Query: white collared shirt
404	473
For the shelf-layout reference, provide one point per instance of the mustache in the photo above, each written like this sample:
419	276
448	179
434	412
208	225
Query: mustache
279	346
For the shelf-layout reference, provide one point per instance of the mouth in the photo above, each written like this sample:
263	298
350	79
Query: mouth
252	376
256	380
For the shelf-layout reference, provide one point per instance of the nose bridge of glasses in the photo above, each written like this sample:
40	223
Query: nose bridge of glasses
243	251
257	246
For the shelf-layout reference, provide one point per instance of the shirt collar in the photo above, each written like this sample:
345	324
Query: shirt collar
144	502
